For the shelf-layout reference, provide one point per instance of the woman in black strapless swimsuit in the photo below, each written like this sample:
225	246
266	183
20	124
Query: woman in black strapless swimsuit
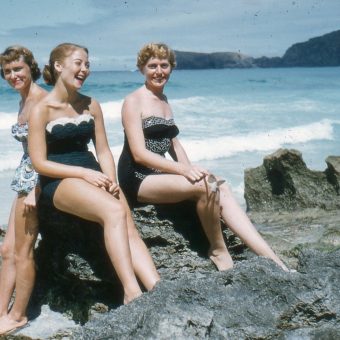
146	176
72	180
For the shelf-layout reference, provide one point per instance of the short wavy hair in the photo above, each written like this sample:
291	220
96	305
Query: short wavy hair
155	50
15	52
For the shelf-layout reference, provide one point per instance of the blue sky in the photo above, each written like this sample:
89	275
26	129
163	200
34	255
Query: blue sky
114	30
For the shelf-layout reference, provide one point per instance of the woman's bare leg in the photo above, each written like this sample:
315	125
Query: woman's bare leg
26	231
175	188
78	197
238	221
7	274
143	264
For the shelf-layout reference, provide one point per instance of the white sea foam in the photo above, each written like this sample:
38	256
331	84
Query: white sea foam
10	160
214	148
7	120
220	147
111	110
201	104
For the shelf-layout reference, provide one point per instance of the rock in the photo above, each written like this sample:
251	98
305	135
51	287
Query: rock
77	287
283	182
318	51
254	300
74	271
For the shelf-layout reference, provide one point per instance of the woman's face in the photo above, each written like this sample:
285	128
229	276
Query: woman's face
75	68
18	74
157	72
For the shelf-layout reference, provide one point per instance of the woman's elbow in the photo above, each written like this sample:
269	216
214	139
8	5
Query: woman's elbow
138	157
37	165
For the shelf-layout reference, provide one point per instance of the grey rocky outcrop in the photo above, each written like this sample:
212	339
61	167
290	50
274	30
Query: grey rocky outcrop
283	182
75	275
254	300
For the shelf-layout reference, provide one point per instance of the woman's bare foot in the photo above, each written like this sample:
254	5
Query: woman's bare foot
8	325
281	264
131	297
222	260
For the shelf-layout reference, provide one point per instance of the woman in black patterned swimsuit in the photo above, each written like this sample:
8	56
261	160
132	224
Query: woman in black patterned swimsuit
72	180
146	176
20	69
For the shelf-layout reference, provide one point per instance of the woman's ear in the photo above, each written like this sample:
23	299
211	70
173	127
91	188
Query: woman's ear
57	66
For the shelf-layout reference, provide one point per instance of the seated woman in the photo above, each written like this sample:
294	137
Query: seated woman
71	179
146	176
20	70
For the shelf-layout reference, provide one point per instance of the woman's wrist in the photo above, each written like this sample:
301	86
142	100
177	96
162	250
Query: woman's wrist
181	168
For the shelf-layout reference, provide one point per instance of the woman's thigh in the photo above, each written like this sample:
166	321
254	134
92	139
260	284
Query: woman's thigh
80	198
170	188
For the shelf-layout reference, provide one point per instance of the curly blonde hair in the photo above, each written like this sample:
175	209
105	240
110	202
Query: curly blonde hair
155	50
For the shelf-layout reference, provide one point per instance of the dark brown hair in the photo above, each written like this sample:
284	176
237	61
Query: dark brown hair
14	53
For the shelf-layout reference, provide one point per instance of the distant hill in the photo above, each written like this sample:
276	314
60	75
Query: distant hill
195	60
319	51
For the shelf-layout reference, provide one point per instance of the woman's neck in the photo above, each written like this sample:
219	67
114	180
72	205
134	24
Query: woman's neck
27	91
64	95
158	92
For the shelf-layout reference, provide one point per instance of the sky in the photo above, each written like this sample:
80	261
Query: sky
114	30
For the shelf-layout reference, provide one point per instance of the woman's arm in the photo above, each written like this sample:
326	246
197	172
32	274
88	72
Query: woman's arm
132	123
178	153
104	154
38	119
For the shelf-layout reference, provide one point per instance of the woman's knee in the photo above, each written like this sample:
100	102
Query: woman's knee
113	210
7	252
206	193
225	189
23	257
200	190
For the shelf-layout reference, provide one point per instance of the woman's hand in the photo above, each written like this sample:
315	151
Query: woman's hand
114	189
194	173
30	202
96	178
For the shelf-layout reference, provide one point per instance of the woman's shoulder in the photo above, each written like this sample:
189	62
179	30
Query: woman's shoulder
134	99
133	96
39	93
91	105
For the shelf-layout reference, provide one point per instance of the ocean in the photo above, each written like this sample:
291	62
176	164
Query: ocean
229	119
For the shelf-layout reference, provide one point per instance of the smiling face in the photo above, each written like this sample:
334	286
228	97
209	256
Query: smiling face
18	74
74	69
157	72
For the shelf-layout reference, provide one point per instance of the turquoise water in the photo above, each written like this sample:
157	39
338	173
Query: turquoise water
229	119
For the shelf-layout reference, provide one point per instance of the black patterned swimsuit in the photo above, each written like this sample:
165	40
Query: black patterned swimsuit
158	133
67	140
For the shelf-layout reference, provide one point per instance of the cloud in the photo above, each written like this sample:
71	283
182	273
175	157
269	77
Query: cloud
115	30
47	13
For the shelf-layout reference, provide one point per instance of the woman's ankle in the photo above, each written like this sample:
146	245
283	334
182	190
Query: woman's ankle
131	296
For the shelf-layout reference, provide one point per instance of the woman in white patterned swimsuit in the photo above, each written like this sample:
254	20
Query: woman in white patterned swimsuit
146	176
20	70
71	179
